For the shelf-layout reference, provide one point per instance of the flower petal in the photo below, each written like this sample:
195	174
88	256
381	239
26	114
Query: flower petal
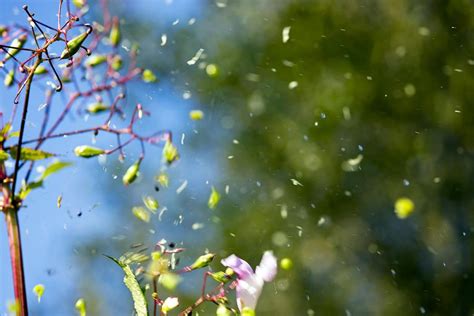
248	291
268	267
240	267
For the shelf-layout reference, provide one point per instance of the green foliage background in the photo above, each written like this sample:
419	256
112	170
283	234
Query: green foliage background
404	70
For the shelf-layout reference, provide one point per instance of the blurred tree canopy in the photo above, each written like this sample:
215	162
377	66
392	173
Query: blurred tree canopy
366	102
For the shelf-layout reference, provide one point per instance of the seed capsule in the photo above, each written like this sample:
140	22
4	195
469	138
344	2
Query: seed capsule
74	45
131	173
88	151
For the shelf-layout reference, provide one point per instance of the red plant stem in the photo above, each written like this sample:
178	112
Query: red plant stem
14	241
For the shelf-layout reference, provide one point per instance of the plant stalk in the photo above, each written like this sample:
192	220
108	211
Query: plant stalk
14	241
11	211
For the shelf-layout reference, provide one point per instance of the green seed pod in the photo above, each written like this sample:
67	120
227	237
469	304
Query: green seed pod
88	151
116	62
202	261
115	35
97	107
151	203
148	76
74	45
170	152
131	173
16	46
40	70
220	276
95	60
9	78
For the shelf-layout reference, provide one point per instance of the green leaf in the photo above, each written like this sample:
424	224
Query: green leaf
214	198
30	153
54	167
148	76
74	45
133	286
4	155
88	151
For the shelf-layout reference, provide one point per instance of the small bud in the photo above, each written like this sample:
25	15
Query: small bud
222	310
88	151
95	60
170	152
74	45
39	291
169	304
81	307
9	78
97	107
148	76
115	35
131	173
202	261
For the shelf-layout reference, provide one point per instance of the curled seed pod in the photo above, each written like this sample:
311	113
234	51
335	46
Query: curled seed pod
9	78
131	173
74	45
115	35
88	151
95	60
202	261
16	46
97	107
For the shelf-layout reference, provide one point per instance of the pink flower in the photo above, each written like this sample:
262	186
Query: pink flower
250	283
